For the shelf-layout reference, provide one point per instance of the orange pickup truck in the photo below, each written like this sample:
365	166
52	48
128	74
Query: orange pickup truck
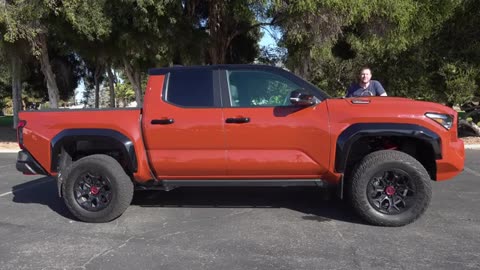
245	125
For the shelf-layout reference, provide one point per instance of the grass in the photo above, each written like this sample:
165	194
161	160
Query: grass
6	121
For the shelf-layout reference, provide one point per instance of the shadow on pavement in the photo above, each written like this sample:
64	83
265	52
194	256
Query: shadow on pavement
317	204
41	191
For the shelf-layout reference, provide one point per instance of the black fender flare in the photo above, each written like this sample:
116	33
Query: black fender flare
69	135
356	131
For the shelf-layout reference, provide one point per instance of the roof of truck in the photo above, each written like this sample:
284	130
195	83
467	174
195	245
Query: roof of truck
164	70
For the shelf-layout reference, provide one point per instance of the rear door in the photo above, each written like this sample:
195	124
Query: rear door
184	134
267	137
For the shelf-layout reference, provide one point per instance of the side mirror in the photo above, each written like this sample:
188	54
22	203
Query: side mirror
301	97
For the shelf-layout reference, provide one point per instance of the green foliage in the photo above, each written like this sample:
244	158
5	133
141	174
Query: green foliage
5	80
391	27
460	83
125	93
3	105
17	20
141	31
328	41
86	17
6	121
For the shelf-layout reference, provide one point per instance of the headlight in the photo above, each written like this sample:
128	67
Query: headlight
446	120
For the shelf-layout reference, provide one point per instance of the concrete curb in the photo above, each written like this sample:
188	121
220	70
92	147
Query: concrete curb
472	146
8	150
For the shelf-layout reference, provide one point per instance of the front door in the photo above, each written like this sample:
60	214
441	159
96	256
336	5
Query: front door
184	134
267	137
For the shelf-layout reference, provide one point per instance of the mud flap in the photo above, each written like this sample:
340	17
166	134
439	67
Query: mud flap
340	187
59	184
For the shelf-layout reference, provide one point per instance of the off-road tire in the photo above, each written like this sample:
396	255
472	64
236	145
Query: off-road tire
385	160
121	187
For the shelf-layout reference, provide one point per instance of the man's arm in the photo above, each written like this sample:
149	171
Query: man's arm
349	91
379	89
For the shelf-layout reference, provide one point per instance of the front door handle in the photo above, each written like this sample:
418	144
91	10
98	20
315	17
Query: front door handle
166	121
237	120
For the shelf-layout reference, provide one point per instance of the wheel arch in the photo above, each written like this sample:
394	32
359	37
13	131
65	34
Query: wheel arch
408	134
74	140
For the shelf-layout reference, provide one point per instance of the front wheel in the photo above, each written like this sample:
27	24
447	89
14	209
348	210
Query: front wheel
97	189
390	188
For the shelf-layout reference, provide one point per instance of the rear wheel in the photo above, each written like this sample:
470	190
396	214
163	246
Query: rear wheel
390	188
97	189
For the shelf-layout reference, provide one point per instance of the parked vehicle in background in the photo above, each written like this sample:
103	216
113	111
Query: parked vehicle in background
245	125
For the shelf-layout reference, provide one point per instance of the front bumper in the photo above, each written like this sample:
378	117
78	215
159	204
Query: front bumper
28	165
452	162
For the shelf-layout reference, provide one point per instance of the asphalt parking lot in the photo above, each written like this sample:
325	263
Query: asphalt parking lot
260	228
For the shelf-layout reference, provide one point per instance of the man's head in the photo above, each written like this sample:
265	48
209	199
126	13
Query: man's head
365	75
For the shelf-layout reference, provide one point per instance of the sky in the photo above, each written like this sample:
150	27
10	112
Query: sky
269	36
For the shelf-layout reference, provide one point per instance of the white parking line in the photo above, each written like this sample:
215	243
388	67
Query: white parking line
472	171
27	187
9	151
5	194
6	166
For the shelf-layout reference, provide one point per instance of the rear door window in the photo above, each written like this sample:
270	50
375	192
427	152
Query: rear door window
190	88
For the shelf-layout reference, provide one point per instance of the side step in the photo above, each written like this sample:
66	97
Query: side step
172	184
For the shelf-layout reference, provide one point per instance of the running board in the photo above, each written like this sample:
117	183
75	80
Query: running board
171	184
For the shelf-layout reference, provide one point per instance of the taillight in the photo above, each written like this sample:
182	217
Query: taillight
21	124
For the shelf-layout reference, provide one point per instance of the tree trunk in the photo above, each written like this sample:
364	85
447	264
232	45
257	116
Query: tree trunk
111	83
219	36
41	41
16	87
97	93
96	78
135	79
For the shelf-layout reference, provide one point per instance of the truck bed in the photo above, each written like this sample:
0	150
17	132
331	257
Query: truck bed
42	126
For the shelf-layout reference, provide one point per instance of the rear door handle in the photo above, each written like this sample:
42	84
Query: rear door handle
238	120
166	121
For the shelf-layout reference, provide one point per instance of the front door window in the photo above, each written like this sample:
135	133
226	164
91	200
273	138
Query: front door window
254	88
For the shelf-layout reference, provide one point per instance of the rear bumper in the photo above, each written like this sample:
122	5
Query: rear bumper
452	162
27	164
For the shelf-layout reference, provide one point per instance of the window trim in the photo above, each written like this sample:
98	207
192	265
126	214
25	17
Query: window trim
277	71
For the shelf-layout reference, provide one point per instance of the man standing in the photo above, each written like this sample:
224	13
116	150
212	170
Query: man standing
366	86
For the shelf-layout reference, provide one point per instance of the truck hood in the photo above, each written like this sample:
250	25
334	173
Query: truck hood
383	109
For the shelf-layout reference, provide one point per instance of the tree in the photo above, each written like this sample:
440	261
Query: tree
5	78
112	80
12	52
26	21
142	34
327	41
230	28
37	21
86	27
124	93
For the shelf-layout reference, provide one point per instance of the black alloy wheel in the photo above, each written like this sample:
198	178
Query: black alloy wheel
96	188
389	188
92	192
391	192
